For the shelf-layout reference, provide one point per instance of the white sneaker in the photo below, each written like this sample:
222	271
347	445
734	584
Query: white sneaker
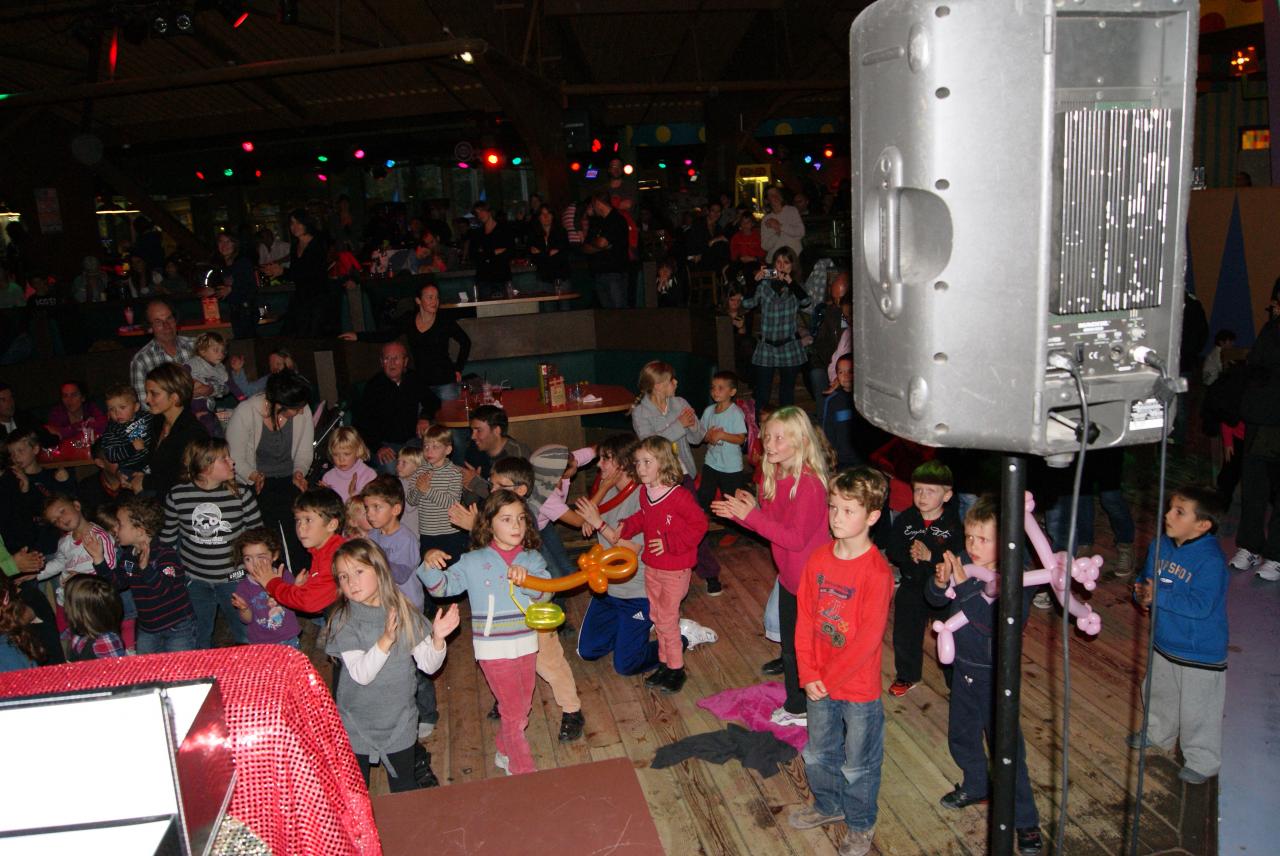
502	762
1243	560
696	633
1043	600
1269	570
782	716
425	730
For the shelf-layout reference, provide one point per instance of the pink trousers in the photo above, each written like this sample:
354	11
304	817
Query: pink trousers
665	590
512	684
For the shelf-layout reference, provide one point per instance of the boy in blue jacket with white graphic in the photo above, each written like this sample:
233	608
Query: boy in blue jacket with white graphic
1188	668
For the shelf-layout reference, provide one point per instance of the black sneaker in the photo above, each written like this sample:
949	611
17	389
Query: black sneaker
571	726
493	712
657	676
714	588
674	681
773	667
959	798
1029	841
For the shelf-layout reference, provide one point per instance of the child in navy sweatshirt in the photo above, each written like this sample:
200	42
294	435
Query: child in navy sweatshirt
1188	669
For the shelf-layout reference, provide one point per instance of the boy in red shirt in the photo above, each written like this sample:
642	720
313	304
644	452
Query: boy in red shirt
843	606
318	517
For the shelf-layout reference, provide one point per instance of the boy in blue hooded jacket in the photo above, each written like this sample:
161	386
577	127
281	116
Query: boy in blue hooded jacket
1188	668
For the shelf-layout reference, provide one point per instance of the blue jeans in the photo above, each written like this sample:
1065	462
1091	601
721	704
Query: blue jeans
772	624
842	759
619	625
206	599
181	637
558	562
762	383
611	290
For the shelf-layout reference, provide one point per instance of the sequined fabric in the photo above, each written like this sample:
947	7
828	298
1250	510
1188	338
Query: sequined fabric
298	788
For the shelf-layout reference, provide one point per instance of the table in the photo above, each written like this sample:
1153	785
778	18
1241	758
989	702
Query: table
298	787
536	424
512	306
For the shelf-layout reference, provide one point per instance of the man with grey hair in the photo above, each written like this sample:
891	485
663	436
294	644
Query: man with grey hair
397	404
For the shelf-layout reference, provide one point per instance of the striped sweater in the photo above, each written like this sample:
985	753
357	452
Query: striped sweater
433	503
204	524
159	588
498	628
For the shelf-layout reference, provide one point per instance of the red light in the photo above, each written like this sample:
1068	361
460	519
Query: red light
596	145
828	152
358	154
244	16
615	147
322	176
768	150
114	53
575	166
692	172
247	145
200	175
257	173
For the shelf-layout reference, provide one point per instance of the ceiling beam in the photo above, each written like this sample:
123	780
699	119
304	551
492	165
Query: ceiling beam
249	71
711	87
573	8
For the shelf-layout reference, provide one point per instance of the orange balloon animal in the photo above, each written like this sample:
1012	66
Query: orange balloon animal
599	567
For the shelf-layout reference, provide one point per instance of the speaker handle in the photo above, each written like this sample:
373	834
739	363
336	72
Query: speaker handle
889	225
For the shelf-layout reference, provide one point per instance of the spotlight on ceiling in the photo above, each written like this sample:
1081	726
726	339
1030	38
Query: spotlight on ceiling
160	25
184	23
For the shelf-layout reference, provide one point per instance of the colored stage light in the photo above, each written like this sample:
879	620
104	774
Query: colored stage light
358	154
247	145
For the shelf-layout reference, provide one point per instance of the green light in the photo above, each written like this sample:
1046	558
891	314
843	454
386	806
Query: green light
662	165
516	161
228	172
322	158
4	95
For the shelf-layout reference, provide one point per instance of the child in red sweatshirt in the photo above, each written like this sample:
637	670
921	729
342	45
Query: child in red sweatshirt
843	606
319	515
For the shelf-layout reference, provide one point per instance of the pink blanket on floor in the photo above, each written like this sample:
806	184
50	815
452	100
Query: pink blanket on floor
752	706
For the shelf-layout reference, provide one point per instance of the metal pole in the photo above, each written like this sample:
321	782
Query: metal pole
1013	486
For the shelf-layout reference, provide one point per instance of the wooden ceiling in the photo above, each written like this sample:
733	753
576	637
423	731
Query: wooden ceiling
627	60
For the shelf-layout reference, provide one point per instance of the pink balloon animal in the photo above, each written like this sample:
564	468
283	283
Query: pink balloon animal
1084	571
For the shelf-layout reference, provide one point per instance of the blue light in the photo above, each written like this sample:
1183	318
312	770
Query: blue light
390	163
808	158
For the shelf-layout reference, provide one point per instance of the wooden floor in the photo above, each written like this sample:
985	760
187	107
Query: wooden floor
702	808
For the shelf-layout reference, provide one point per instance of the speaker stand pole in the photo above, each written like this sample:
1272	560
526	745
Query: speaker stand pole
1013	486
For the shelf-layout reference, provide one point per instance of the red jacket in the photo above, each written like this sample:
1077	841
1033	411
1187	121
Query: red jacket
320	590
677	519
841	611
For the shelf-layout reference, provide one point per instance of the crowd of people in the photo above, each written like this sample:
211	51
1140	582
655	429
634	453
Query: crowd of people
210	508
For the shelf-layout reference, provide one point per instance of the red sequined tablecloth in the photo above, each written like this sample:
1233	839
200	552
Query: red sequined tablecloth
298	786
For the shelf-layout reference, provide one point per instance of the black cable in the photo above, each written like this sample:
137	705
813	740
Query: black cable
1165	395
1083	431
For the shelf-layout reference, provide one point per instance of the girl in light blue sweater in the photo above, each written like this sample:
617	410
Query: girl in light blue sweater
504	551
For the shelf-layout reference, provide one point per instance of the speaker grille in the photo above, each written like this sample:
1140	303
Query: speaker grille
1115	209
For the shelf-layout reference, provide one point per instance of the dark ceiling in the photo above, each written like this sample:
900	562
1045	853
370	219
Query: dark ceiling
627	60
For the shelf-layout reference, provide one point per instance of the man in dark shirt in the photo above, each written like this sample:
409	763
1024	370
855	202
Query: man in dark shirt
489	444
606	249
491	245
396	404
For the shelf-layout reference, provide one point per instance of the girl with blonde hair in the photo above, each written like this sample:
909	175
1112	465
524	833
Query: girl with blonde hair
792	515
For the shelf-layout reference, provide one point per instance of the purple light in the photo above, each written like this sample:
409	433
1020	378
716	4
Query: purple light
817	164
688	162
768	150
322	176
358	154
463	165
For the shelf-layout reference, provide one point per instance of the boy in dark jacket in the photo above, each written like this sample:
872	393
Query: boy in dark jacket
915	543
1188	669
973	686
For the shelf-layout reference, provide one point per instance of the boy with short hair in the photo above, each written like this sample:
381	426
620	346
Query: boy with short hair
726	430
1188	669
914	543
318	516
434	488
839	416
128	434
842	607
972	688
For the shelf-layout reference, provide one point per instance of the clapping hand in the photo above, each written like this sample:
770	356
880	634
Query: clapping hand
446	621
463	516
264	573
589	512
739	505
388	637
919	552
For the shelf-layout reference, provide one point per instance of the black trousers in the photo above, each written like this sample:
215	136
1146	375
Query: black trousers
1259	492
911	616
276	504
399	770
797	701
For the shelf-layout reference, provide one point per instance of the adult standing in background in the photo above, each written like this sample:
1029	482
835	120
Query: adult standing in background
491	248
396	407
606	249
549	248
1259	539
233	280
272	249
312	308
781	226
